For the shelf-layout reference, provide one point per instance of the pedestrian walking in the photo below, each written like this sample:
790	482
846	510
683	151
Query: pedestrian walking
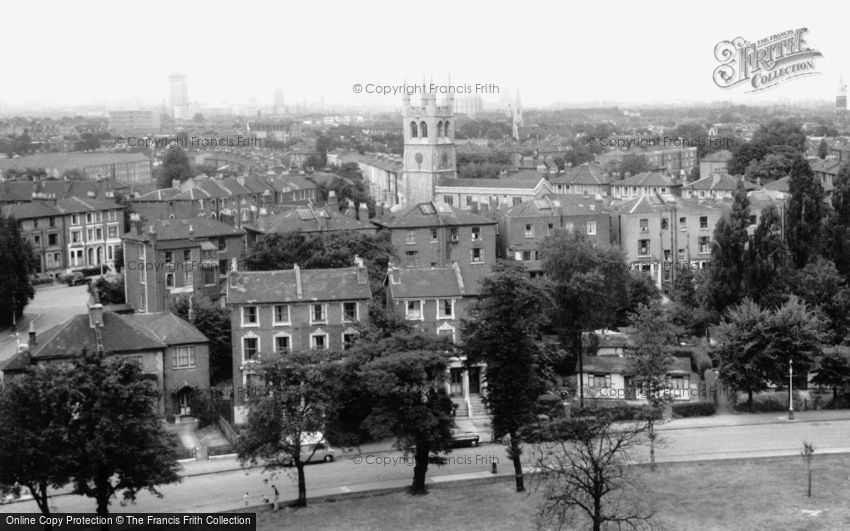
276	498
245	498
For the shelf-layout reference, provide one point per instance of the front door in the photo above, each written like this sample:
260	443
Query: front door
474	380
456	387
183	402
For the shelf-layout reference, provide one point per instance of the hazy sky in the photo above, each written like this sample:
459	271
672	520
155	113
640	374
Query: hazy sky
642	52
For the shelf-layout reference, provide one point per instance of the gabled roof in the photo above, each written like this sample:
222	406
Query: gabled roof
827	166
178	229
121	333
431	214
717	182
192	194
233	186
347	283
779	185
647	178
425	282
583	174
521	175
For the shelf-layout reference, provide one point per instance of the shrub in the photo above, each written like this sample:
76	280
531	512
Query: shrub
700	361
694	409
619	412
551	405
769	402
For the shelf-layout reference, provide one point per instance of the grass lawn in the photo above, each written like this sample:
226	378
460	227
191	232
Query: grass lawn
758	494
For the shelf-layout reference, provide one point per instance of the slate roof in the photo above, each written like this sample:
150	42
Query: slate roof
422	282
247	287
552	204
34	209
121	334
521	184
647	178
622	365
178	229
431	214
75	205
582	174
305	219
68	161
718	182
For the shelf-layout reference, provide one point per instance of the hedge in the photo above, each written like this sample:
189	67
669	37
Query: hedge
220	449
619	412
694	409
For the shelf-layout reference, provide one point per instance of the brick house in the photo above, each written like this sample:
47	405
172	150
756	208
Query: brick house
523	228
273	312
178	258
435	234
434	300
163	344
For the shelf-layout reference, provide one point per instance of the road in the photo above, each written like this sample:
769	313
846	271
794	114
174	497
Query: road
52	305
223	491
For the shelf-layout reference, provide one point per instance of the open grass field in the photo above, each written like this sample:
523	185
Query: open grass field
764	494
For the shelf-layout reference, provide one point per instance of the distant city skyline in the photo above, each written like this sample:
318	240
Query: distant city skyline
628	54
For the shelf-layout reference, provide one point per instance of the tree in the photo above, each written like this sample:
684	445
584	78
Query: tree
411	403
286	421
214	322
116	431
589	287
728	254
502	332
687	310
806	212
651	361
34	444
823	149
770	168
17	263
823	288
755	344
833	370
743	155
766	261
838	227
640	289
583	468
109	292
175	167
778	135
634	164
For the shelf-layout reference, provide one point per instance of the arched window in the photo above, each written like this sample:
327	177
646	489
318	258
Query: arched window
439	129
424	128
446	129
413	130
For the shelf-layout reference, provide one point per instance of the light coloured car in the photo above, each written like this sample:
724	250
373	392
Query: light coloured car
314	449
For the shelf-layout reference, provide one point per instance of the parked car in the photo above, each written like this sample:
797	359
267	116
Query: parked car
314	449
75	278
464	438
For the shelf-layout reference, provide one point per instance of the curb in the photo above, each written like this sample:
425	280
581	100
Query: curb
662	427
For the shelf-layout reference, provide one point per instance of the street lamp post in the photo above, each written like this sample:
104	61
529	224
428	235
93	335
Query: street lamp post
790	389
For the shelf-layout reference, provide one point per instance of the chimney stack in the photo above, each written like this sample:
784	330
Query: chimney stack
191	233
32	341
362	276
152	234
332	199
350	211
95	314
363	213
298	291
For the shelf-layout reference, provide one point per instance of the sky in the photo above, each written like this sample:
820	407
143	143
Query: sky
121	53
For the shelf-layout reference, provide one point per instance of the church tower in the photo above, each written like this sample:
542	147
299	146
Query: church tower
841	102
517	120
429	145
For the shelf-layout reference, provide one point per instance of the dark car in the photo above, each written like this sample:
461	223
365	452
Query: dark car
464	438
